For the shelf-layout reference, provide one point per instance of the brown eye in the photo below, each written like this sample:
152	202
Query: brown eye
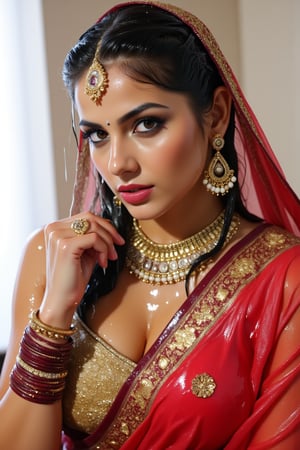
147	125
98	136
95	136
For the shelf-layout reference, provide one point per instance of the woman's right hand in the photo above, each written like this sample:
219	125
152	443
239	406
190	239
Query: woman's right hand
70	259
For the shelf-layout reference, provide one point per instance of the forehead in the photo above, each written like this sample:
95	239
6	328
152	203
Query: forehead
122	94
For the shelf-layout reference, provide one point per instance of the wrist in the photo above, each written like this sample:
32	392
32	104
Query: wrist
41	367
49	331
55	318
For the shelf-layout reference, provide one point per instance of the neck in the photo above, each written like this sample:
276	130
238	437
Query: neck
181	223
158	263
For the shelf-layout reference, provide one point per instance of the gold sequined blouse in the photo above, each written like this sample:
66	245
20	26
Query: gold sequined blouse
96	374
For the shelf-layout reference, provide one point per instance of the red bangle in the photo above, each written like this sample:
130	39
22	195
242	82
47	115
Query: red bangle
41	368
35	338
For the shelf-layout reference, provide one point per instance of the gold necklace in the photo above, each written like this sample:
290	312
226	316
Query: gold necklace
169	263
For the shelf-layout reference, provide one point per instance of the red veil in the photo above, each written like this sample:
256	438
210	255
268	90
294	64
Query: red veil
264	189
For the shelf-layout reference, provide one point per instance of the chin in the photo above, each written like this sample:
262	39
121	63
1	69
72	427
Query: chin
146	212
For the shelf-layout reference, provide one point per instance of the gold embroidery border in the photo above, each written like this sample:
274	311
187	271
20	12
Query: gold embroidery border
217	296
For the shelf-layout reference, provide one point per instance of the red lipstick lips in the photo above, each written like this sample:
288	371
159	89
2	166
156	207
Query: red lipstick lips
135	194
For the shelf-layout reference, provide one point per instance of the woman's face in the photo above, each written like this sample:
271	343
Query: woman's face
146	144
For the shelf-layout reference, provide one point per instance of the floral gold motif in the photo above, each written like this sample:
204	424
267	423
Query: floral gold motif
184	338
125	428
244	266
143	392
163	363
203	316
203	385
221	294
275	239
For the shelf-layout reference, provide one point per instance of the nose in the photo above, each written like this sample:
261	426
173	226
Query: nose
122	157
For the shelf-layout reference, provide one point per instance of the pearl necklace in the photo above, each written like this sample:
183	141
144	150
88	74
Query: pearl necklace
170	263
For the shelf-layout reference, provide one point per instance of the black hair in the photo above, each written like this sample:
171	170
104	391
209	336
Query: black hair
153	46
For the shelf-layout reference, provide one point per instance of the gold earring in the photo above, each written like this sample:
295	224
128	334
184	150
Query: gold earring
219	178
96	80
117	202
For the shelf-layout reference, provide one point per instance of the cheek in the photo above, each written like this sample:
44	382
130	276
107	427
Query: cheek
100	163
99	160
185	151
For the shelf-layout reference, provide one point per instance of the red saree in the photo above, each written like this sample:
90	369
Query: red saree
205	384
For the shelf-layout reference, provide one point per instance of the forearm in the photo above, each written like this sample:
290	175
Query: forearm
26	425
31	407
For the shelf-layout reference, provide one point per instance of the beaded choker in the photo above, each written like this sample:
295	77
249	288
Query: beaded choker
170	263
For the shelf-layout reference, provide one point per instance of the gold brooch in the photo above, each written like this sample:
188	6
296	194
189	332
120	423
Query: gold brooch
203	385
96	79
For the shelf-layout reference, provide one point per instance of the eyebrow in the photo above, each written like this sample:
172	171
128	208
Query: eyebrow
134	112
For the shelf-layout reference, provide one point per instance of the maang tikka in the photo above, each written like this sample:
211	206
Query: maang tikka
219	178
96	79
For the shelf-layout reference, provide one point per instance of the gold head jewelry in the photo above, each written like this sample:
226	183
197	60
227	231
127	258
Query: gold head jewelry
96	79
219	178
170	263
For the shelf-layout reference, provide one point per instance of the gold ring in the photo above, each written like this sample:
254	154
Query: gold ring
80	226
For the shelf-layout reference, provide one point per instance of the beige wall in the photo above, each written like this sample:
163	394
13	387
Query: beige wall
270	72
249	33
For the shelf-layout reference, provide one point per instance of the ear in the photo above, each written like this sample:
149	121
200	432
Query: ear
220	111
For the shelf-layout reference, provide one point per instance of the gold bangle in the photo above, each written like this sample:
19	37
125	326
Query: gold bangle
40	373
53	333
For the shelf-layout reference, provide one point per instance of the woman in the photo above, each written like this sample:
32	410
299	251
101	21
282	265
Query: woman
178	266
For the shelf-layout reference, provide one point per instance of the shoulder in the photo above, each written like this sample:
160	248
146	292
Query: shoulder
280	238
31	276
34	251
267	248
292	276
28	294
287	246
277	245
35	241
286	263
273	259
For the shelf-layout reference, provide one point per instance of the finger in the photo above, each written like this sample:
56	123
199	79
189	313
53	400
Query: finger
91	246
108	226
101	234
79	248
57	231
107	237
103	223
